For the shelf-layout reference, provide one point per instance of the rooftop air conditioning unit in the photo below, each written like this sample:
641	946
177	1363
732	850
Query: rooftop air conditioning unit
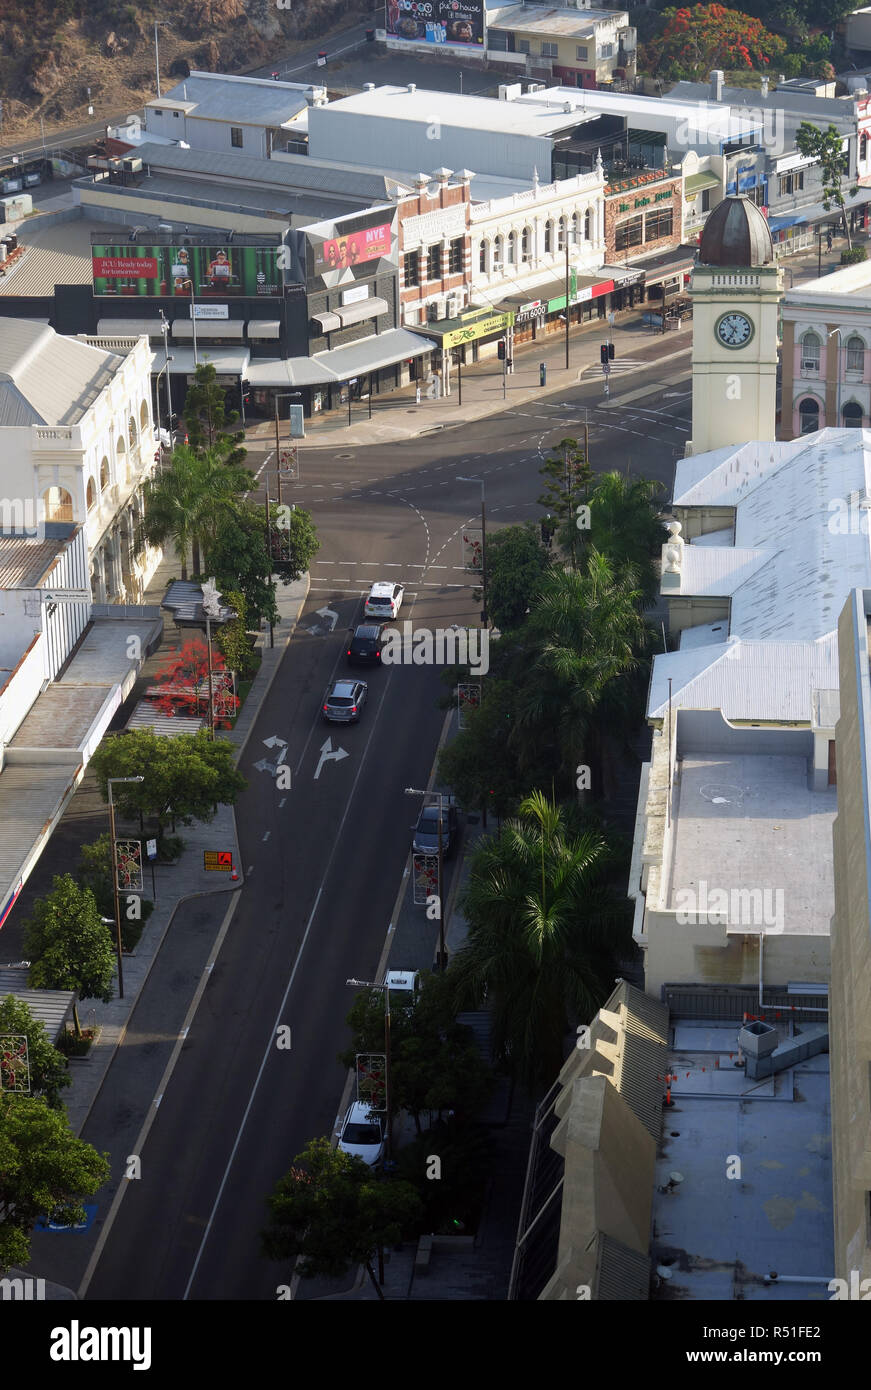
454	306
435	310
132	164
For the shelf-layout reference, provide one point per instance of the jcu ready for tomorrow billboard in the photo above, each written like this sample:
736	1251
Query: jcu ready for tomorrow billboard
436	21
215	272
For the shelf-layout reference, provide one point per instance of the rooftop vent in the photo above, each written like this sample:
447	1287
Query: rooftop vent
412	86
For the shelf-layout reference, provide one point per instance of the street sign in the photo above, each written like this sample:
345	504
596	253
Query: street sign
297	422
220	860
151	849
606	368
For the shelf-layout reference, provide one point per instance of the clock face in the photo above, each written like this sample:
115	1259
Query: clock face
734	330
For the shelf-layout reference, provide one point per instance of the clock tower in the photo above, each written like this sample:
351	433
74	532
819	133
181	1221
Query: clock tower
736	289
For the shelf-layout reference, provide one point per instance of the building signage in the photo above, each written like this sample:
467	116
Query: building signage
535	310
494	323
354	295
579	296
210	311
436	21
433	226
355	248
219	271
218	859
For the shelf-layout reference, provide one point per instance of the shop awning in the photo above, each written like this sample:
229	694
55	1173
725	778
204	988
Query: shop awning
328	322
209	328
264	328
370	354
129	328
287	371
585	287
778	224
697	183
226	361
365	309
667	265
817	213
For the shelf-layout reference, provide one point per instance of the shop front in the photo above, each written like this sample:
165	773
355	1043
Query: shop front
327	381
472	337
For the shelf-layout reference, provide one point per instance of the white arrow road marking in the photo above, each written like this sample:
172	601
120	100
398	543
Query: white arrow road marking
271	765
328	613
275	742
328	754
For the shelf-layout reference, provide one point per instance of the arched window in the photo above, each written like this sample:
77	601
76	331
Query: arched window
90	494
104	474
143	416
851	416
497	253
548	237
561	235
809	415
810	350
525	242
512	248
120	446
482	258
588	225
855	354
863	146
57	504
576	228
131	430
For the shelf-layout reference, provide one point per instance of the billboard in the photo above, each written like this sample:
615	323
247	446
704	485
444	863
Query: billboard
220	271
436	21
353	248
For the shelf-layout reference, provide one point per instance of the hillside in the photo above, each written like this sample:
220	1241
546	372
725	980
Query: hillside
52	51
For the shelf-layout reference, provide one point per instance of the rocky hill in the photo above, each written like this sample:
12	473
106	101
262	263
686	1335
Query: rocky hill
52	51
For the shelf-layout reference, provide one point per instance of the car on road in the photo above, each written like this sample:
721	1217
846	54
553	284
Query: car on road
362	1134
426	832
404	985
343	702
384	600
364	645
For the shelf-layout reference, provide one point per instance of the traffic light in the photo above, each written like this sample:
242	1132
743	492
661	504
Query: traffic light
603	353
501	349
611	352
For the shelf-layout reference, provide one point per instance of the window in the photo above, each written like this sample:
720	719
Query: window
576	228
512	245
455	257
104	474
581	53
809	415
706	200
525	242
810	351
588	225
522	45
550	50
606	50
482	257
176	114
434	263
236	137
658	224
855	354
57	504
863	146
629	233
548	238
497	253
91	494
851	416
791	183
561	236
411	268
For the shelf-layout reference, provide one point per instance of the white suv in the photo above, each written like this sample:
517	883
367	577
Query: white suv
383	601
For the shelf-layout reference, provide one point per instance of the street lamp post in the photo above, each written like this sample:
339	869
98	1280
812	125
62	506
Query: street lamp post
115	898
189	284
164	328
484	617
370	984
443	955
838	387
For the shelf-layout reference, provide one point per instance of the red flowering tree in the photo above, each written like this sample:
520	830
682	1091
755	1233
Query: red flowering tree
182	684
698	38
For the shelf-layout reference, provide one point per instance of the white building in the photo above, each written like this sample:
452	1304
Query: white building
826	352
76	444
245	115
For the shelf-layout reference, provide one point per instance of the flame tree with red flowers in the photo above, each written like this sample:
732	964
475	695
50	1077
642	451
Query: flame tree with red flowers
698	38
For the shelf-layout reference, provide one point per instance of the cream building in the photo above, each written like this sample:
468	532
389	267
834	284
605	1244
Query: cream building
76	444
736	290
826	378
850	1043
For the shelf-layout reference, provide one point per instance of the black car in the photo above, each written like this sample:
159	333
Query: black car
426	832
364	646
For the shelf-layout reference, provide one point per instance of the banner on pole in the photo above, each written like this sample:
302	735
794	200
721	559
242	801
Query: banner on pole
371	1070
14	1063
426	877
128	865
468	698
473	551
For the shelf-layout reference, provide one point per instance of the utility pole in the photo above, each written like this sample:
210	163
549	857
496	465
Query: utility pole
567	293
156	59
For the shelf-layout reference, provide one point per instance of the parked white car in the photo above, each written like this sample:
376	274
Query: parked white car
362	1134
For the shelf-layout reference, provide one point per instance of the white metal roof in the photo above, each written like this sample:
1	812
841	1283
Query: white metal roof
245	101
562	23
719	120
772	681
531	116
48	379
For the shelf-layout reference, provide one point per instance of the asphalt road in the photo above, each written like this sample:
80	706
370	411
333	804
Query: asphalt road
323	861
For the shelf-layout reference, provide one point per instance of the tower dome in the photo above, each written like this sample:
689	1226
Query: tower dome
736	234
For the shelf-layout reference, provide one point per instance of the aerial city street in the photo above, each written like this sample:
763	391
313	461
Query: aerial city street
435	698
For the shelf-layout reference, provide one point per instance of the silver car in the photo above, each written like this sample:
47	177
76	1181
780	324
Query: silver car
343	702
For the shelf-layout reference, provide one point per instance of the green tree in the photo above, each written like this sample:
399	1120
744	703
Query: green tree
334	1212
466	1155
209	423
184	778
238	558
625	528
49	1072
567	475
516	560
44	1170
545	933
481	765
69	944
186	503
232	637
826	146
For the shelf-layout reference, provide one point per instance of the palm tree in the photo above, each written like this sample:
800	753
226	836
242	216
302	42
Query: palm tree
186	503
625	526
584	636
545	933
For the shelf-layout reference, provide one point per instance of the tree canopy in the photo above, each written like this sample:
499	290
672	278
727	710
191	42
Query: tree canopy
184	778
68	942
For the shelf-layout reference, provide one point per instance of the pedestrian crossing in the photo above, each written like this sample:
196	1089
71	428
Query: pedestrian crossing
617	365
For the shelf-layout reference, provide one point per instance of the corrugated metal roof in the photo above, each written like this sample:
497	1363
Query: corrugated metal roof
622	1274
24	560
249	102
50	1007
287	172
746	680
148	716
641	1050
59	378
